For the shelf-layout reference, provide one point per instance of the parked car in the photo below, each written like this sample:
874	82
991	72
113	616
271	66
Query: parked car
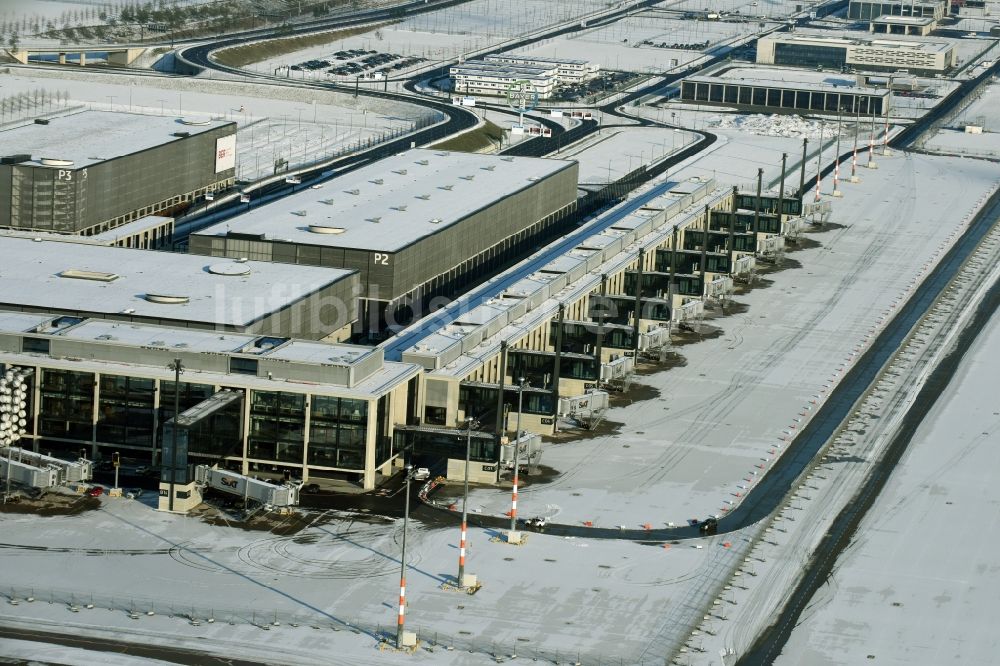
96	491
421	474
133	493
311	488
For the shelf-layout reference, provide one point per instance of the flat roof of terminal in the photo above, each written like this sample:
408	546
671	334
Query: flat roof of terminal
558	61
211	342
113	280
90	137
799	79
835	40
904	20
393	203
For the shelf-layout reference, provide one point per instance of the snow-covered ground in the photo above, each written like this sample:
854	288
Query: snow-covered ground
686	453
615	151
298	125
619	46
449	33
917	584
984	112
334	586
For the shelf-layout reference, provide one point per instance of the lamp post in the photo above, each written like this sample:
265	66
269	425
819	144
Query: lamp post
177	367
819	160
517	447
836	162
465	503
402	561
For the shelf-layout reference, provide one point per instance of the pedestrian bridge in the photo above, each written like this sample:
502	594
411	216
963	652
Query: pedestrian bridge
121	56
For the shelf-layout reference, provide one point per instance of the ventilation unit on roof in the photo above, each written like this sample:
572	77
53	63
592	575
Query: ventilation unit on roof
354	192
56	162
167	299
401	208
300	213
532	178
467	177
328	202
96	276
401	172
425	197
436	220
323	229
507	159
445	187
15	159
422	162
231	269
489	167
442	154
376	220
41	121
182	135
377	181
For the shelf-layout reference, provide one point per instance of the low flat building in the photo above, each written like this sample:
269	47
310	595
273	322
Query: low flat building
417	225
478	77
838	53
568	70
866	10
141	286
309	409
783	96
153	232
90	172
903	25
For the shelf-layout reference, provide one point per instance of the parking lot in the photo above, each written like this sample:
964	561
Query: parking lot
360	63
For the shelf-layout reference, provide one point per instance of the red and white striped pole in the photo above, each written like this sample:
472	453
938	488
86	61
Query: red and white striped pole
819	160
465	504
402	561
402	612
517	447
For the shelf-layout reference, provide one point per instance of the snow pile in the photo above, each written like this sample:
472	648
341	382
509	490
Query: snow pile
776	125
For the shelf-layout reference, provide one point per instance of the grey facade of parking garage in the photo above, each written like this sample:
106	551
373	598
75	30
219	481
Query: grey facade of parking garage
101	195
428	265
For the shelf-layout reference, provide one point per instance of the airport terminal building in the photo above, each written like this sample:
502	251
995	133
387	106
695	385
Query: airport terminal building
91	172
421	224
837	53
188	291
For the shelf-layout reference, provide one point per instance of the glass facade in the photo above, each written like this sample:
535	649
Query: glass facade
766	96
67	405
338	430
810	55
125	411
218	435
277	426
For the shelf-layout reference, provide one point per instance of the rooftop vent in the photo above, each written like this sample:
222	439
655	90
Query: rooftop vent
445	187
52	161
232	269
105	336
41	121
300	213
507	159
328	202
489	167
442	154
96	276
436	220
467	177
167	299
376	220
15	159
182	135
401	172
322	229
195	121
533	178
425	197
377	181
401	208
354	192
422	162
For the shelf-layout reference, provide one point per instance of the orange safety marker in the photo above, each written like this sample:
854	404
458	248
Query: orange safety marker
588	523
